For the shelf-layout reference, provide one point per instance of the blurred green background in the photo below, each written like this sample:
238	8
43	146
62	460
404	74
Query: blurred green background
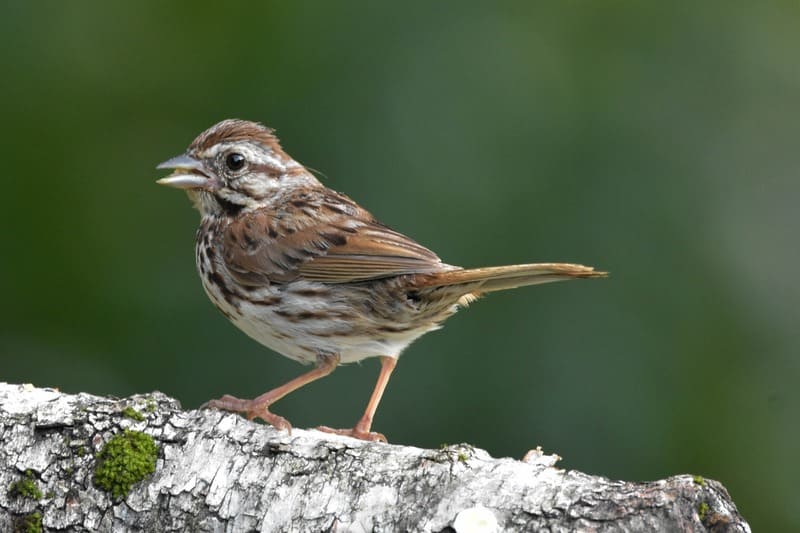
659	142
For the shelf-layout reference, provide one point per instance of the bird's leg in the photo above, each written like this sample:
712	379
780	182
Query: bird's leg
259	407
362	428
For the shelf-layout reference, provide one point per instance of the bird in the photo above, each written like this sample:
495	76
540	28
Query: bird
307	272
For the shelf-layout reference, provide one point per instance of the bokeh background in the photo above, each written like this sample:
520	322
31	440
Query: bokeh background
659	142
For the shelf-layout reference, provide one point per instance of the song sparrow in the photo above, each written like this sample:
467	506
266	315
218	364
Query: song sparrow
307	272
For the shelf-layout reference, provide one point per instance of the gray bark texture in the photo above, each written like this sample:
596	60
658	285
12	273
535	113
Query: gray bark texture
215	471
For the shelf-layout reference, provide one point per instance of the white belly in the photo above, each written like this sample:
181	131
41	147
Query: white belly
278	327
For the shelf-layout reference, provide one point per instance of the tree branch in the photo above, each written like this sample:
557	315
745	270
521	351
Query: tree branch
63	457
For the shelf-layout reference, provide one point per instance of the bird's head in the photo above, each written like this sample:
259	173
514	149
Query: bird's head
234	165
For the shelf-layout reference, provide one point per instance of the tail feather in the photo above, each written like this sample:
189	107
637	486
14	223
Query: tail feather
490	279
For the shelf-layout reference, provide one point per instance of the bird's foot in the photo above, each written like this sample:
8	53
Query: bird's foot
250	409
356	433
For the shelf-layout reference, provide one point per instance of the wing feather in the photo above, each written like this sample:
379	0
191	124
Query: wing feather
323	237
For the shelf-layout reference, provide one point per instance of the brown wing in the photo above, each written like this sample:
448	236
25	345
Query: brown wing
320	236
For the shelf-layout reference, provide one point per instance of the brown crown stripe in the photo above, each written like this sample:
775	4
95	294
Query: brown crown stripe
237	130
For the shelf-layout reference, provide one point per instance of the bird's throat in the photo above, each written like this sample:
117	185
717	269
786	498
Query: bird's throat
211	204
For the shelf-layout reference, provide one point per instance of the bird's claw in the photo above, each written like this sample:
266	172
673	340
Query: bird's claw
356	433
250	409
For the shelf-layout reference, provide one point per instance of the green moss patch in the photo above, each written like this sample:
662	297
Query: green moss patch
702	511
126	459
133	414
26	487
31	523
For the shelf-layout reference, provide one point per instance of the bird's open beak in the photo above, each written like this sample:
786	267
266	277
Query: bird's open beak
188	174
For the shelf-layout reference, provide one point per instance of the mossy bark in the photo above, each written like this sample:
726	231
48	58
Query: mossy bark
218	472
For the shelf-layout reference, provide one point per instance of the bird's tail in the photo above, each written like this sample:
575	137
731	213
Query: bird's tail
490	279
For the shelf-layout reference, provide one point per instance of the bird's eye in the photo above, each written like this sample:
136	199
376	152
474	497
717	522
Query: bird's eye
235	161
